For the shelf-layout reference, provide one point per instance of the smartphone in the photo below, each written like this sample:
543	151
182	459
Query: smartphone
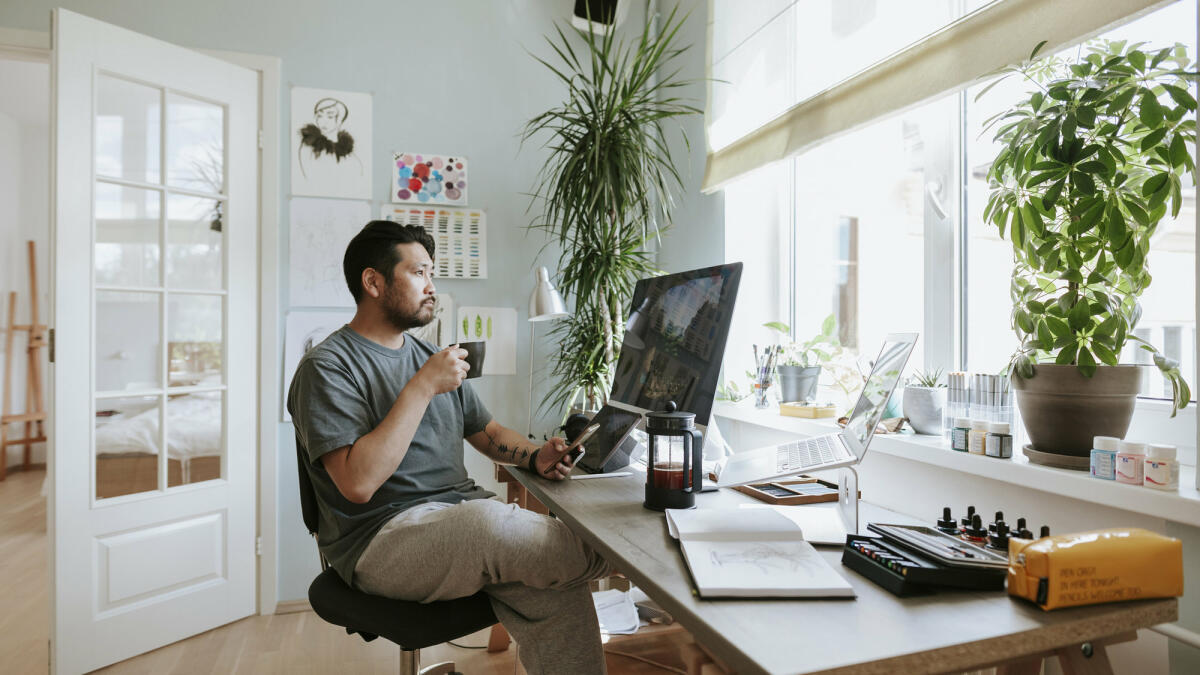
576	450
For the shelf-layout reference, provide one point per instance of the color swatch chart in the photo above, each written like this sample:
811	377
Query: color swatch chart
460	237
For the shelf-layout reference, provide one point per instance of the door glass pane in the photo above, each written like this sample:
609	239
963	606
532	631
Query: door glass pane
127	243
195	144
195	437
195	339
127	443
194	234
128	130
128	344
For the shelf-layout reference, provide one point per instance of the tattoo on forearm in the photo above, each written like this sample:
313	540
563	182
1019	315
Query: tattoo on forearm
518	456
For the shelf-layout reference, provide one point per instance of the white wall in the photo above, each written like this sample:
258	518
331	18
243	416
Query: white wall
24	216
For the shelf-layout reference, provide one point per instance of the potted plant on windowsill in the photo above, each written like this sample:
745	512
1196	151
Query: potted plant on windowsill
1092	161
924	398
799	369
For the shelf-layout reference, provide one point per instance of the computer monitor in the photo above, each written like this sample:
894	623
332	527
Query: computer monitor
675	341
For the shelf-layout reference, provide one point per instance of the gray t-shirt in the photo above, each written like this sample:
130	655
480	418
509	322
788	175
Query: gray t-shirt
342	390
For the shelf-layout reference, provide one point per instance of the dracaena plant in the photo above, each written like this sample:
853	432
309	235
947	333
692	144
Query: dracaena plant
606	188
1092	161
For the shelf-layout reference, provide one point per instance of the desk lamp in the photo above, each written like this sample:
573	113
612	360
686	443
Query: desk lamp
545	304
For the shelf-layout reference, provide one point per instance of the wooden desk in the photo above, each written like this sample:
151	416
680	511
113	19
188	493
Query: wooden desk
875	633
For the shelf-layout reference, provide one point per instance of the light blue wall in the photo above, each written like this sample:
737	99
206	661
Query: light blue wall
452	76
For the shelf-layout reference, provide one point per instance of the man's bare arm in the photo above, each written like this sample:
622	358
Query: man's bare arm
505	446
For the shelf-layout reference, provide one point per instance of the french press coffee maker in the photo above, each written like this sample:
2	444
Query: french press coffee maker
673	466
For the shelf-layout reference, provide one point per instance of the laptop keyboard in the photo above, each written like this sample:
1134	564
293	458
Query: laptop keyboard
807	452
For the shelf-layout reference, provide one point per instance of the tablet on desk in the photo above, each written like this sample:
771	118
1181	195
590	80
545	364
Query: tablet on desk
615	426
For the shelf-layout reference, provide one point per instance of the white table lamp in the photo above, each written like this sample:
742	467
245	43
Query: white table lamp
545	304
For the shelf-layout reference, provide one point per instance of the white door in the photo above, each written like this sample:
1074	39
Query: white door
154	284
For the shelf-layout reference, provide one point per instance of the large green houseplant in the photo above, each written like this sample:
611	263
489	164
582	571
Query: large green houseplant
605	189
1092	160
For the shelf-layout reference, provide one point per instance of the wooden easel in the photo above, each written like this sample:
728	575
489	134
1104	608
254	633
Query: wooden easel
35	412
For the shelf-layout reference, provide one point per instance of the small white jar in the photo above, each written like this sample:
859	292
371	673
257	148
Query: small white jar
1161	468
1131	458
977	442
999	441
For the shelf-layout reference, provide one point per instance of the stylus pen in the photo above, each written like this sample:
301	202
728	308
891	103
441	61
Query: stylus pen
585	476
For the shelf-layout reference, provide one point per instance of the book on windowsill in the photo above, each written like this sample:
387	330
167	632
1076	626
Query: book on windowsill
752	553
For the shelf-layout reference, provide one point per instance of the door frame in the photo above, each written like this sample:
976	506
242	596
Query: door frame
28	45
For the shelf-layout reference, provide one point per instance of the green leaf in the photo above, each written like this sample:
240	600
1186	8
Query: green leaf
1094	166
1121	100
1137	60
1084	182
1152	139
1180	96
778	327
1079	316
1178	151
1051	197
1154	183
1058	327
1067	356
829	325
1106	355
1045	336
1087	363
1149	111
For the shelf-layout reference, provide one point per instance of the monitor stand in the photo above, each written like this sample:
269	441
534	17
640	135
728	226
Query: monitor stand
621	456
848	496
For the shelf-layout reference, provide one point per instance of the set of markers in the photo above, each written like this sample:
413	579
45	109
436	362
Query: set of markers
977	396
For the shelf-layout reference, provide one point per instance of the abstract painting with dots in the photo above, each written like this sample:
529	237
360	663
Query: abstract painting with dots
420	178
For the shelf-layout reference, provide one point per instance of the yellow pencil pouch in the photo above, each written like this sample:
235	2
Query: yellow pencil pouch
1089	568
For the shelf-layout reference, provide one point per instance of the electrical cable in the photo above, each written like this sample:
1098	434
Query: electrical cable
452	642
643	659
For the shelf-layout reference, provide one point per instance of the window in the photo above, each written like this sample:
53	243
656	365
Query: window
888	232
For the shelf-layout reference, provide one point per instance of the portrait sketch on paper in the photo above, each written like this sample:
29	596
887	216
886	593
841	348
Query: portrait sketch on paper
331	143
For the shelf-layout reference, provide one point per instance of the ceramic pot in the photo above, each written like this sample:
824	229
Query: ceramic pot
923	408
798	383
1063	410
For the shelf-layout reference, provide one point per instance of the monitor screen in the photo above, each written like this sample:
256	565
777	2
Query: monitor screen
675	340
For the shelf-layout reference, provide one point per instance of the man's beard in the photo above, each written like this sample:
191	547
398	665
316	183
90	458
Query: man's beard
401	318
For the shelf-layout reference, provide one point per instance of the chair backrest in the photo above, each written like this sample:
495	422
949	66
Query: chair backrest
308	496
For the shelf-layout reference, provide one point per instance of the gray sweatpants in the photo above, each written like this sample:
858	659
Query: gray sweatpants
534	569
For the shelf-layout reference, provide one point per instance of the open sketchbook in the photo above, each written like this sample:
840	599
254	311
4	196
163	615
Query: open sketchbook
752	553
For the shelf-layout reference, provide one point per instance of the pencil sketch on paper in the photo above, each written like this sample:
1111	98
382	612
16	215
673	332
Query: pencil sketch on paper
319	233
331	153
767	558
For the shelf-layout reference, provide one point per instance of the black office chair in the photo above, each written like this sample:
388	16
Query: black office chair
412	625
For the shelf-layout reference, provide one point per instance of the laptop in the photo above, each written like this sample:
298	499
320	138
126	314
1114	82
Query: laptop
828	451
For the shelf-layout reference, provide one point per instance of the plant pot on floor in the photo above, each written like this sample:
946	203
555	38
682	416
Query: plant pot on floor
798	383
923	408
1063	410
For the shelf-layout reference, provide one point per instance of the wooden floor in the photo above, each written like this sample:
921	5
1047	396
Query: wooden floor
284	643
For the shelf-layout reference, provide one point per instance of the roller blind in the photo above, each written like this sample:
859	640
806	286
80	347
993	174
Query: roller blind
964	51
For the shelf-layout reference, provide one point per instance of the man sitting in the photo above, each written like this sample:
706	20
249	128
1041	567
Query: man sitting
381	417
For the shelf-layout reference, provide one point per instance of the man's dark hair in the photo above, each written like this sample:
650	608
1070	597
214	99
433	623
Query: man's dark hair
375	247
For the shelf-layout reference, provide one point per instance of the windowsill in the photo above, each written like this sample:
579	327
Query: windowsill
1179	507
